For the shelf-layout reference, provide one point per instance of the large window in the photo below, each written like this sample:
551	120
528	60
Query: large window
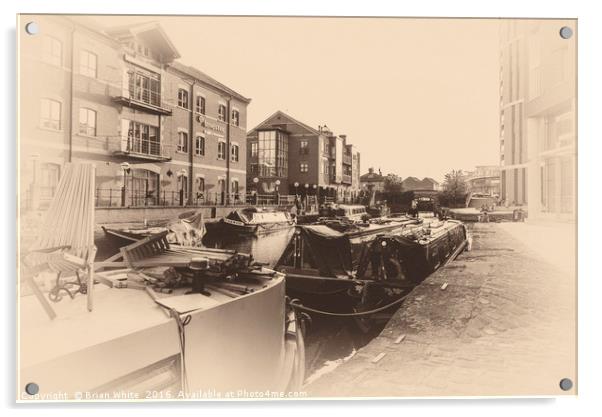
273	153
200	104
234	150
87	63
143	139
235	118
182	98
221	113
52	50
87	122
253	149
221	150
199	146
182	142
50	114
144	86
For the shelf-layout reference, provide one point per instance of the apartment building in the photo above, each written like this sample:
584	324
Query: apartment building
287	156
159	132
538	117
485	179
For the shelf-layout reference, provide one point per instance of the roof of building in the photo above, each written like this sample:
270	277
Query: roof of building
150	31
204	78
290	118
372	177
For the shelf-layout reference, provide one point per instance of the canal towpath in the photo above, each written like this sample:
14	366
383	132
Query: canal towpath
499	320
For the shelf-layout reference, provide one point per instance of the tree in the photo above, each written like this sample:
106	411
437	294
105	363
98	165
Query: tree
393	184
454	188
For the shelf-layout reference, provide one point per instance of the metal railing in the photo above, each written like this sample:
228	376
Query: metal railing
118	197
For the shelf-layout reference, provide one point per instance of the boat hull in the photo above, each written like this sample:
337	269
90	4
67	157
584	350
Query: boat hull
254	229
128	343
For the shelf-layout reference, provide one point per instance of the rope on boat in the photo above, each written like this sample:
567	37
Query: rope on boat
181	323
358	314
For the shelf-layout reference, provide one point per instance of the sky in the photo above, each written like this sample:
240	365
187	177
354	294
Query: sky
416	97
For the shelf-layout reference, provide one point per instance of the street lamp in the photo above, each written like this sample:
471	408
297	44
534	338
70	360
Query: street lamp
277	192
296	184
125	166
256	190
181	175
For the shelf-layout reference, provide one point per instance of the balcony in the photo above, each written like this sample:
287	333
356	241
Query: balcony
346	179
347	159
143	100
143	149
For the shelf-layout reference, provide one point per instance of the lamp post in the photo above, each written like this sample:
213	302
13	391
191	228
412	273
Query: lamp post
181	175
296	184
126	168
306	195
255	191
315	186
277	192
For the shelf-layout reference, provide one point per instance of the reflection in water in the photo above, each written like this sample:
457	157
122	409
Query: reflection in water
266	249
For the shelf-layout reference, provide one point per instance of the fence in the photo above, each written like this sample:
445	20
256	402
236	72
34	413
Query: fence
111	197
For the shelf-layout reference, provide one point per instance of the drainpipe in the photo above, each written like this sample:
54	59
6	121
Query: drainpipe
228	151
70	130
191	143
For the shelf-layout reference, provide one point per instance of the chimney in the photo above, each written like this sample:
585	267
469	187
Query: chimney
370	170
344	137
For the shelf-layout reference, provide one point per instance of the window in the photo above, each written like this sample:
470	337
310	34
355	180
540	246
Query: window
87	122
303	147
234	187
200	104
182	142
221	150
234	153
303	167
52	50
145	87
49	179
221	113
235	118
50	114
201	184
183	98
273	153
253	149
87	64
143	139
199	146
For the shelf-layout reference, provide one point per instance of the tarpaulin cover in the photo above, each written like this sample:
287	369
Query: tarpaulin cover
333	251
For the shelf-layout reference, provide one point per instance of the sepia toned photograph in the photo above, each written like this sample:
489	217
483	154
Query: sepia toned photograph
293	208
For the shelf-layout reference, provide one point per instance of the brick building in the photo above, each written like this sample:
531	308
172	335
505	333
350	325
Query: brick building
159	132
283	151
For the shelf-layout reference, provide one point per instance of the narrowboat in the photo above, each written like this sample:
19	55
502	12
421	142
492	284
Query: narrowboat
222	334
256	221
331	269
188	229
346	212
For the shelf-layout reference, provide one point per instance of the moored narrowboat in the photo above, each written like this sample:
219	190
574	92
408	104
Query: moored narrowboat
256	221
342	270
